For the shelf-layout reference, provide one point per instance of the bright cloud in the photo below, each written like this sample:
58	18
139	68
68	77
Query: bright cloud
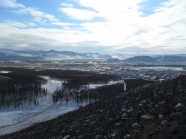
62	24
79	14
107	25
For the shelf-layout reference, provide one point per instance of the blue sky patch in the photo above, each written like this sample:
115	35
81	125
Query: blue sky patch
148	6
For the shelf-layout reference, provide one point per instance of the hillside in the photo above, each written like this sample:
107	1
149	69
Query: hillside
112	60
141	59
154	111
171	58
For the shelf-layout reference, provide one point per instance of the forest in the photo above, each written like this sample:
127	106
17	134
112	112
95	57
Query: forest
20	87
23	86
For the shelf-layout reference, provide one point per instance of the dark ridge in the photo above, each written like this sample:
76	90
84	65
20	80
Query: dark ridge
155	111
134	83
141	59
172	58
112	60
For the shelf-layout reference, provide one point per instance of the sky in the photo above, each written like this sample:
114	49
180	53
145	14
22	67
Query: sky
104	26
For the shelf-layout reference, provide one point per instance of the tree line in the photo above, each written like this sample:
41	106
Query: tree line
19	88
87	95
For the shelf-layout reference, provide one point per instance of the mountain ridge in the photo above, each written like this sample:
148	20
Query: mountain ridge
33	55
162	58
141	59
7	54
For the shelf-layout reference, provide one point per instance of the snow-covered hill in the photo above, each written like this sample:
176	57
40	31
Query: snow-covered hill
153	111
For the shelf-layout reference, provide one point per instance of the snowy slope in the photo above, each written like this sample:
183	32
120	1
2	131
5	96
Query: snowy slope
14	120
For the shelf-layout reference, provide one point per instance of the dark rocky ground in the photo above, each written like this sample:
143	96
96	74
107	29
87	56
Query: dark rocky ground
156	111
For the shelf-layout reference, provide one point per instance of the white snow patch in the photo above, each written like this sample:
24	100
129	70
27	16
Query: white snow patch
4	71
130	110
52	84
147	116
127	136
178	105
160	116
135	125
66	137
95	85
123	115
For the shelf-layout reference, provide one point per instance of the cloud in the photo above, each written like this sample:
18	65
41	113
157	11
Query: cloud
130	27
63	24
38	15
26	39
107	25
112	9
10	3
66	5
16	25
79	14
14	37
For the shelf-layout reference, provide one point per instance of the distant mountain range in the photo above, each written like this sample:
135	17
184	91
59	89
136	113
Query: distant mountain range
7	54
141	59
113	60
172	58
28	55
163	58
